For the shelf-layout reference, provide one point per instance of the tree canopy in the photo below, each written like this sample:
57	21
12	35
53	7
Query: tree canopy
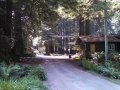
22	20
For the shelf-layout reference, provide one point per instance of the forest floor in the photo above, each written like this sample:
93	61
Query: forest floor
65	74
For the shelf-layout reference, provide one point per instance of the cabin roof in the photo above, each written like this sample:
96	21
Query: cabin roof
83	39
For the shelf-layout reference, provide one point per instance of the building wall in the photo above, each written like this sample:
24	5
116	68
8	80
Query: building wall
118	47
99	46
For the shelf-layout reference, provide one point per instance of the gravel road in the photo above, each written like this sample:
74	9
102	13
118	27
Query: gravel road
65	75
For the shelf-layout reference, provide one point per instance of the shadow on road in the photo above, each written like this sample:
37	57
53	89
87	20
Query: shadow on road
40	59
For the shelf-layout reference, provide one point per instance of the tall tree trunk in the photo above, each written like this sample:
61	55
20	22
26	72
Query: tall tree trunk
87	27
6	20
19	45
8	17
81	26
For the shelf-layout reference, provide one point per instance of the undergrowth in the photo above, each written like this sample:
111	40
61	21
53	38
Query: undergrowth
26	77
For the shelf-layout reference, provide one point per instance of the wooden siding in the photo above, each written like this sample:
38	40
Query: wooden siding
99	47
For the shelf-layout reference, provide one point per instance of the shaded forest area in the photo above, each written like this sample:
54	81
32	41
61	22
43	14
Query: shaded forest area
21	21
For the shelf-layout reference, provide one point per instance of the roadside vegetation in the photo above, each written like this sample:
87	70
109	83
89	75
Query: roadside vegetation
26	77
109	68
21	21
29	54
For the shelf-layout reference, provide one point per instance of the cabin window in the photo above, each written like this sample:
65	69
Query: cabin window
111	47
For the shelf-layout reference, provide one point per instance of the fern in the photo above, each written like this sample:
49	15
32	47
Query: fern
13	67
38	72
26	83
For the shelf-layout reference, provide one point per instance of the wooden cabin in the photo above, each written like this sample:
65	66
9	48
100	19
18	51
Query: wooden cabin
91	44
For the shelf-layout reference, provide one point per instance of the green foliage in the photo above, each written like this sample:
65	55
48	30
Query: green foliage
108	64
96	9
15	77
109	69
27	68
38	72
15	71
3	64
13	67
114	56
87	64
98	56
77	56
25	83
34	71
3	73
99	68
43	50
29	54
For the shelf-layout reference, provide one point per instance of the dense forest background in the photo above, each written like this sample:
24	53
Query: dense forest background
21	21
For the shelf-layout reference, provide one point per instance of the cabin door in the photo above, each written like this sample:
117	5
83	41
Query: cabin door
92	48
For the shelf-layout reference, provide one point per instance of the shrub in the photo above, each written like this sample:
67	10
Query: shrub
27	68
114	56
34	71
118	75
15	71
87	64
25	83
38	72
107	69
111	66
3	73
99	56
77	56
116	64
13	67
3	64
99	68
15	77
29	54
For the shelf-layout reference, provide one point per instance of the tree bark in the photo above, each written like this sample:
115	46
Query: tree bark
8	18
81	26
6	26
18	45
87	27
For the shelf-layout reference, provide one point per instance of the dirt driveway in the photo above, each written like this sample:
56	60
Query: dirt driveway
66	75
